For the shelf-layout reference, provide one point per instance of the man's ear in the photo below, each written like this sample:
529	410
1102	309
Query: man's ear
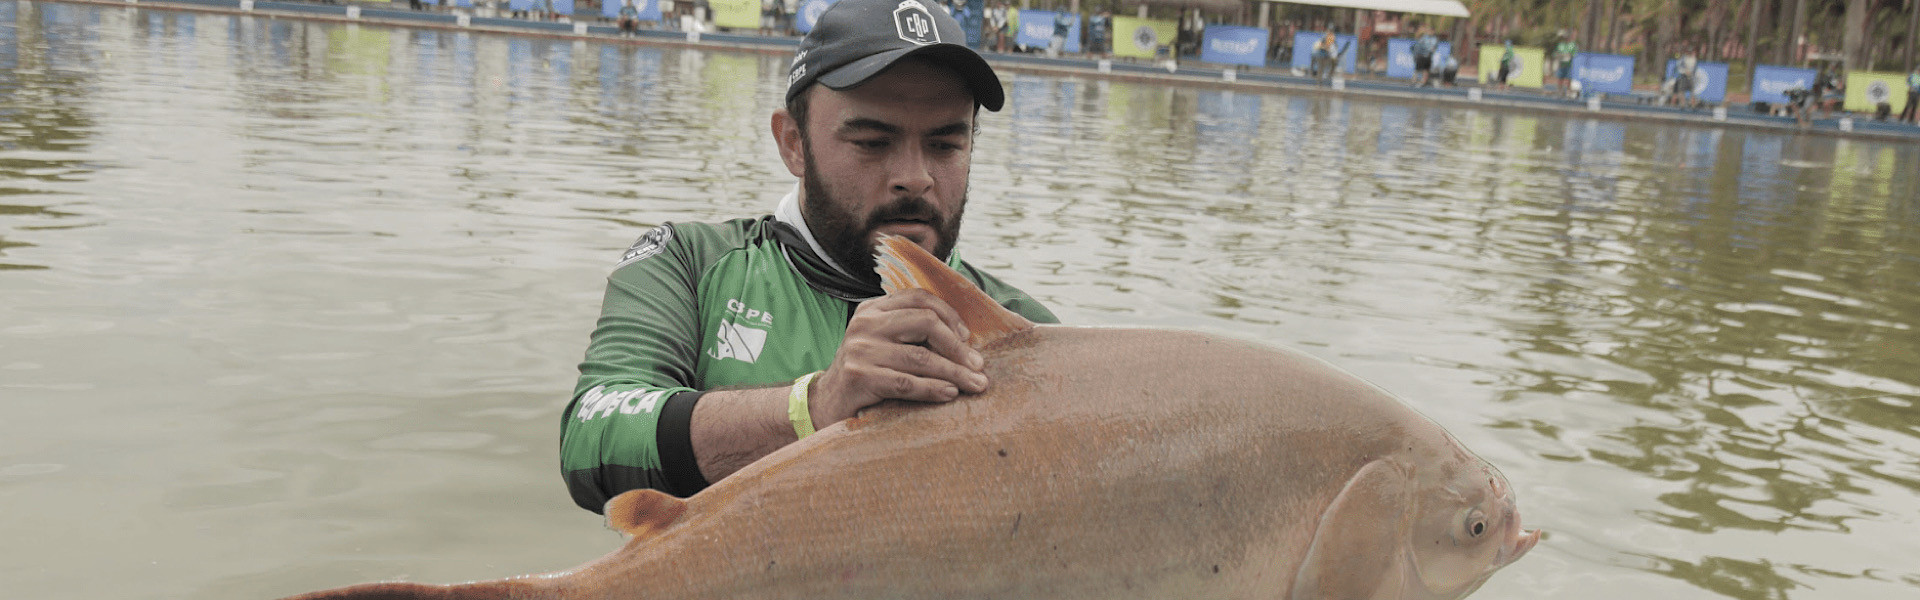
786	134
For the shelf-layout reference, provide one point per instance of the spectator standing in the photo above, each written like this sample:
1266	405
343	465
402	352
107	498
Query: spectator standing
1100	33
1423	49
1913	97
1509	64
1563	54
1062	24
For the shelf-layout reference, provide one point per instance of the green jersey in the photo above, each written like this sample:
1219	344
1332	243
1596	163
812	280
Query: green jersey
697	306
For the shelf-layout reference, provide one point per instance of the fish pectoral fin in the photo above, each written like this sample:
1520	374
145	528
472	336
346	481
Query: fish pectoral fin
904	265
1357	549
643	513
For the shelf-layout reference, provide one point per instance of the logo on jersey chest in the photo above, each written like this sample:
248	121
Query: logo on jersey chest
742	334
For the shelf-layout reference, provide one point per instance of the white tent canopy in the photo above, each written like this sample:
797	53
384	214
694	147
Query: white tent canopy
1444	8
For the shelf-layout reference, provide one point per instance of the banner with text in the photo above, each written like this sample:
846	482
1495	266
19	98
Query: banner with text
1235	45
1771	83
735	14
1304	41
1036	30
1603	73
649	9
1400	56
1709	80
1866	91
1142	38
1527	74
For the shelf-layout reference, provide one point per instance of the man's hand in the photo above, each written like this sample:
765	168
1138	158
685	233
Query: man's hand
908	345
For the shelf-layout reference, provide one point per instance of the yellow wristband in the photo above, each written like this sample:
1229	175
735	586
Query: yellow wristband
797	406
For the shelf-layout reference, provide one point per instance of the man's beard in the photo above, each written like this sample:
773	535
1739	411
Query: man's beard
844	236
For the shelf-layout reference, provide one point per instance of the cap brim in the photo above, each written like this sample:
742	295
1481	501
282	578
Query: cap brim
963	60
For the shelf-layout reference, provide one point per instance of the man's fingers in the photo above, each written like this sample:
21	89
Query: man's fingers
918	299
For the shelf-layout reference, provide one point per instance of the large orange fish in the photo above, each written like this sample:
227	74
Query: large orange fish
1103	463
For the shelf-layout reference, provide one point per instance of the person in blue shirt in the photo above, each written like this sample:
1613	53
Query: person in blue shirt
1423	49
629	17
1062	25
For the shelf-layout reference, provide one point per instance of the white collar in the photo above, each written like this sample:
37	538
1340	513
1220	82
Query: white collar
789	212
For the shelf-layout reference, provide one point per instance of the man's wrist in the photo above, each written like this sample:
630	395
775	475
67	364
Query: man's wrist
799	409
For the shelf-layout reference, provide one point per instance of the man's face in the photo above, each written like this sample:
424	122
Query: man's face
890	156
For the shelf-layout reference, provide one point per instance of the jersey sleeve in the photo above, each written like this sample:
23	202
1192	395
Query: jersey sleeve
641	355
1008	296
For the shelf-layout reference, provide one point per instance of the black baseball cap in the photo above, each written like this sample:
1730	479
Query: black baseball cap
855	40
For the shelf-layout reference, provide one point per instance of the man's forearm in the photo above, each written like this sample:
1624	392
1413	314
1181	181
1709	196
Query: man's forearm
732	428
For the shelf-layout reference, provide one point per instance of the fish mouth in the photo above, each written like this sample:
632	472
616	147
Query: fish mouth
1521	543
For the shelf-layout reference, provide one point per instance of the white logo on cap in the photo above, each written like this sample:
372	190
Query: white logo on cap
915	24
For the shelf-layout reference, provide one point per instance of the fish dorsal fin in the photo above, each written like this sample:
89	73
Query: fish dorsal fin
904	265
643	513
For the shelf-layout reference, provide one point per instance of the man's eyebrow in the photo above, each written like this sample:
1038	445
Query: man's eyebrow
863	124
955	128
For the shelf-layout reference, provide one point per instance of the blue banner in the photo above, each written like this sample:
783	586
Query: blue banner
1709	80
1770	83
649	9
1603	73
1036	30
1400	56
1303	50
810	11
1235	45
564	7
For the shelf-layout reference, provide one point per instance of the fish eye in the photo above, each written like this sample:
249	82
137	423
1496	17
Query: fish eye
1476	524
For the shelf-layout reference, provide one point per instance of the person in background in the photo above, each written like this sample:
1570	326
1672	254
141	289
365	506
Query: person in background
719	343
1563	54
1323	57
1913	97
1689	77
1445	68
1423	49
1062	25
995	33
1509	65
1100	33
629	20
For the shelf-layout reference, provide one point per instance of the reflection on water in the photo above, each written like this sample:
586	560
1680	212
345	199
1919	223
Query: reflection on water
286	305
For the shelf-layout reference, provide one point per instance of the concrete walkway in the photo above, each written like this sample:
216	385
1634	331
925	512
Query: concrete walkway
1190	73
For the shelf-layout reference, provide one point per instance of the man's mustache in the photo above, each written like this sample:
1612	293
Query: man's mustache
914	208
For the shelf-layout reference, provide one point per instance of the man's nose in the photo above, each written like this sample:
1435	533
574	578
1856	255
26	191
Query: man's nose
910	172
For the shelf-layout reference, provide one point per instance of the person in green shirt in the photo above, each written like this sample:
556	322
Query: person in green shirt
710	333
1563	54
1913	97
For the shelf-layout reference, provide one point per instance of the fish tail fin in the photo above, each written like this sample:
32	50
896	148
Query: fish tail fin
904	265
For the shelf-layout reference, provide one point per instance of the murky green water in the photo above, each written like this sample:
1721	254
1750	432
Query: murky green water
287	305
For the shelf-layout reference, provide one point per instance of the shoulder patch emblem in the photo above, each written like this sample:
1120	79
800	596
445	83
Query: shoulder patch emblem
649	244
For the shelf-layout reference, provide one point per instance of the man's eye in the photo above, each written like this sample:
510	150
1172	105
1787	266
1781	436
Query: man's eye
870	144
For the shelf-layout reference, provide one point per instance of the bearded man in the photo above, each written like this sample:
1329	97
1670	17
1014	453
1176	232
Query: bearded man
719	343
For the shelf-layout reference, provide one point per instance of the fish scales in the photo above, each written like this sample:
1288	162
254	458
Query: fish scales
1102	463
